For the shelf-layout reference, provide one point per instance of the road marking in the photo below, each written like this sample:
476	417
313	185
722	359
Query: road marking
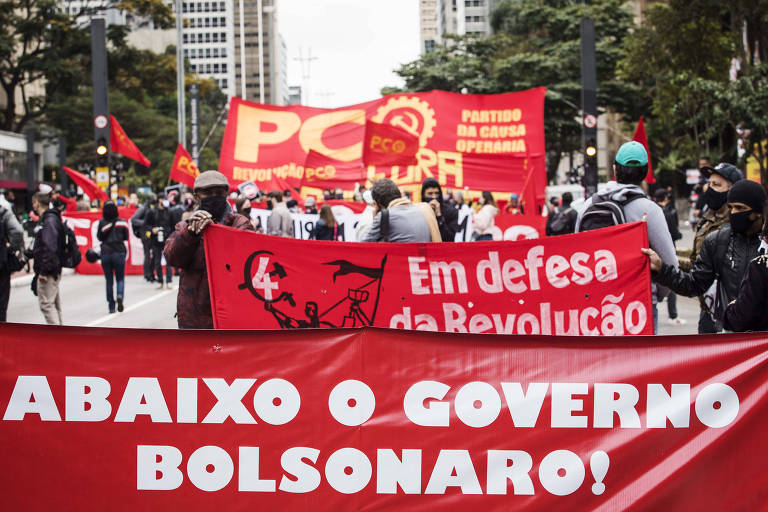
136	306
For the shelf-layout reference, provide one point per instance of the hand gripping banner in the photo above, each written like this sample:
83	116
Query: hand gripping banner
376	419
594	283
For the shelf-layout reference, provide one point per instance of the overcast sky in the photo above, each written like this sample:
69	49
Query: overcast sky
357	44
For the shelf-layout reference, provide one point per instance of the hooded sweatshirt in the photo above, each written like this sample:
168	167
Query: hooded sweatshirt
448	220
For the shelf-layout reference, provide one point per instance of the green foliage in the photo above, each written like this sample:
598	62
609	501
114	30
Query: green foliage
536	43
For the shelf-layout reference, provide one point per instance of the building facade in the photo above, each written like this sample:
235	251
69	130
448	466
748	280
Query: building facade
462	17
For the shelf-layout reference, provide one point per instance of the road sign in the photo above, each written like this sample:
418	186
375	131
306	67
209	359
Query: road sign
590	121
100	121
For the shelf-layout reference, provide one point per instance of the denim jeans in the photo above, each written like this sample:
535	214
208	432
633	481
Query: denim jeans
114	264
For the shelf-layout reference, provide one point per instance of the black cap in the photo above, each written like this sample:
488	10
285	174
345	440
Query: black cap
724	169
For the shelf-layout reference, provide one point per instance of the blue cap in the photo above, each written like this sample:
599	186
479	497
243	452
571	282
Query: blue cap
632	154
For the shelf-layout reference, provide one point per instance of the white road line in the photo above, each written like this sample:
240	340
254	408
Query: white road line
134	307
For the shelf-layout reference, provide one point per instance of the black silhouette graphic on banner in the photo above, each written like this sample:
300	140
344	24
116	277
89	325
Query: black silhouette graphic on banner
269	282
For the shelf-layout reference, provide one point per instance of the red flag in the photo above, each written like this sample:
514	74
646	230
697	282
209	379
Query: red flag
388	145
640	137
90	188
120	143
321	171
184	169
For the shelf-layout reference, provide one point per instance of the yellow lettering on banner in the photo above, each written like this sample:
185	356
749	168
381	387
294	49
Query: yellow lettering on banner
491	116
450	163
258	126
490	146
311	134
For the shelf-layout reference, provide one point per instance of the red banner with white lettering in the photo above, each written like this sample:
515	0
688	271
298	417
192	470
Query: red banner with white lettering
337	420
593	283
85	224
455	132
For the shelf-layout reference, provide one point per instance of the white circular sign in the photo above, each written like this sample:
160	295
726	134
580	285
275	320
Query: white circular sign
100	121
590	121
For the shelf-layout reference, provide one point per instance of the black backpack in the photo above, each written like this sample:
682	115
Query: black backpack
560	224
606	211
69	252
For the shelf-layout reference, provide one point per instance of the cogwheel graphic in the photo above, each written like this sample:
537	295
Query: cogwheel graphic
399	112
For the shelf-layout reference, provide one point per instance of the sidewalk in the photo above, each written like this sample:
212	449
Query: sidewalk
24	278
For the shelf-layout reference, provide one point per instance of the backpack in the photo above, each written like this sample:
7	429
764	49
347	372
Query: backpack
606	211
560	224
69	252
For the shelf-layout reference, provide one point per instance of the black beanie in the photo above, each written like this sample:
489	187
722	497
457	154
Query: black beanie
749	192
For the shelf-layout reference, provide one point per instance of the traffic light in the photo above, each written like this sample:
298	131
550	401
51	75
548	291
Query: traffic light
590	154
101	152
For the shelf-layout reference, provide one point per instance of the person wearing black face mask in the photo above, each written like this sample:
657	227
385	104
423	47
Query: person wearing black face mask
185	249
725	254
447	217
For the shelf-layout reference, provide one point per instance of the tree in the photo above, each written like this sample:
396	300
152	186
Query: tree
536	43
42	51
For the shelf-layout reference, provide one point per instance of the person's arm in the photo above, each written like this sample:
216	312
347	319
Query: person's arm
103	229
750	306
374	232
13	229
181	246
659	237
699	279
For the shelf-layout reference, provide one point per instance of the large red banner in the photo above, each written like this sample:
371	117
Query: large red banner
85	224
126	419
484	142
594	283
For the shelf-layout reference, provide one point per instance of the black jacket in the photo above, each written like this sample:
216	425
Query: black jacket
112	235
670	214
46	248
157	218
749	312
724	257
448	220
322	231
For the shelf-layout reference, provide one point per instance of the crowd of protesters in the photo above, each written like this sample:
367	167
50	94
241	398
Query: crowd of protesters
727	268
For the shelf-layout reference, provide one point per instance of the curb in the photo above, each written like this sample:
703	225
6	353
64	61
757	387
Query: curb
18	282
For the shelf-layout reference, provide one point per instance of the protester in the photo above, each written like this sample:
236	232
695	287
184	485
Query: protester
396	219
482	219
310	205
185	248
293	206
280	222
137	225
720	180
630	169
513	206
82	204
705	168
725	254
366	218
748	311
112	232
663	198
189	206
447	217
11	240
243	206
158	225
326	227
47	262
562	219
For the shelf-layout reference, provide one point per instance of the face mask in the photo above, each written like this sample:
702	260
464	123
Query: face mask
247	212
215	205
740	222
714	199
166	203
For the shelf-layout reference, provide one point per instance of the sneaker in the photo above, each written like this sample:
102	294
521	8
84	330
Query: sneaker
676	321
169	286
159	287
111	311
120	304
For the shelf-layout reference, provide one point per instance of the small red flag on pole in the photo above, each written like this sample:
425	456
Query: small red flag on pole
184	169
640	137
120	143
